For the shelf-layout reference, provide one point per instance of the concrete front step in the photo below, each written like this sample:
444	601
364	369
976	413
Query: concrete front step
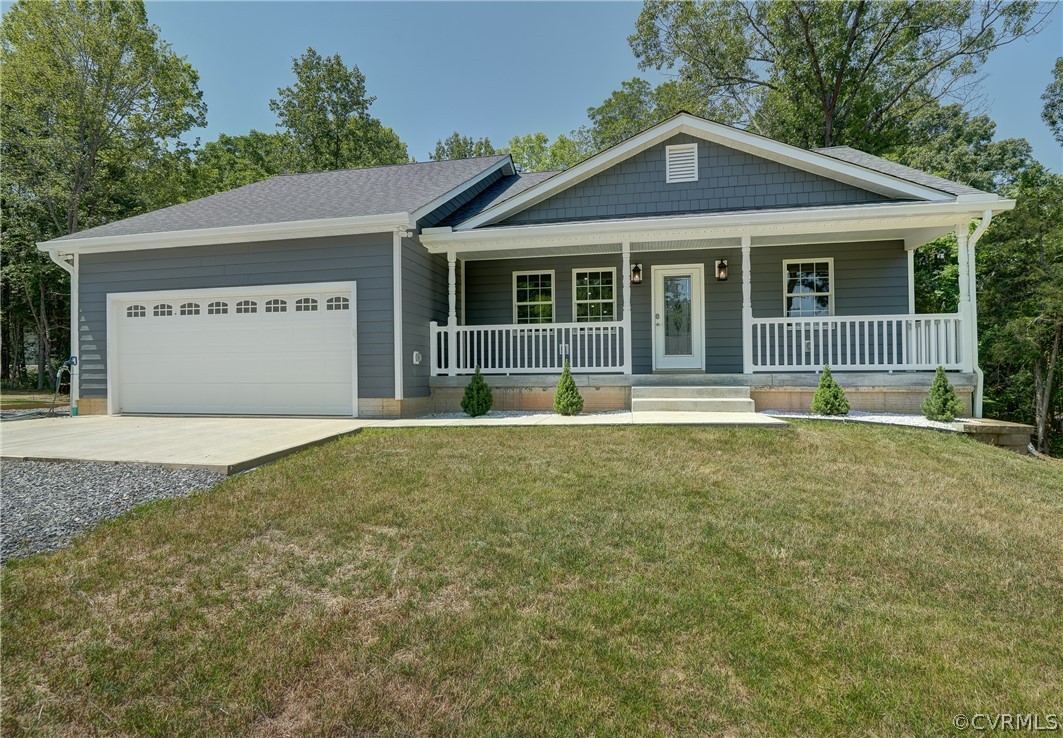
692	404
706	393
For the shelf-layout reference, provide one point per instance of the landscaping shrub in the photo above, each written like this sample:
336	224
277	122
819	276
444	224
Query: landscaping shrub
942	403
567	399
477	399
830	398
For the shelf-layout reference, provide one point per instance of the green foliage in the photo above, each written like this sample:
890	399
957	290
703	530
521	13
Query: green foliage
457	146
326	115
567	399
830	398
477	399
1052	113
636	106
941	403
1020	307
826	73
93	107
234	161
535	152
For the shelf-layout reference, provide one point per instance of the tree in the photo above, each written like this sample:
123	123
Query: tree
1020	270
819	73
941	403
234	161
477	399
93	108
829	398
567	399
948	141
457	146
1053	97
326	115
535	152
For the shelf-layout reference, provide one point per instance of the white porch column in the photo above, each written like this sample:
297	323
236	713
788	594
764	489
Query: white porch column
969	332
747	308
627	306
452	314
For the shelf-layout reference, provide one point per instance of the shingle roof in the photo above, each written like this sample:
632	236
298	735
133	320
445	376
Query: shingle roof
505	188
893	169
293	197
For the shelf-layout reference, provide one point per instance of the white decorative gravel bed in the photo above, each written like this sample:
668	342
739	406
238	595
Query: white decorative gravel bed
914	421
509	414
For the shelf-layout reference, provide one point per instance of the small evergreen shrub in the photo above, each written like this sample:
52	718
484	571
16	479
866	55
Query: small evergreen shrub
567	399
942	403
830	398
477	399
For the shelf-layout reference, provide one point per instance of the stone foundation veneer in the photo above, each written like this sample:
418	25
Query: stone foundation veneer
902	392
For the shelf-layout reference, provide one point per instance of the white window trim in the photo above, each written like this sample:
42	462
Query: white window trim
830	272
553	294
680	148
575	302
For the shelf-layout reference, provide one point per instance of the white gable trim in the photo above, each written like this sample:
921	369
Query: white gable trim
231	234
505	166
751	143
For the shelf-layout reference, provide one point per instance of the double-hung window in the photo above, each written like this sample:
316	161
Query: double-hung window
594	295
808	288
533	297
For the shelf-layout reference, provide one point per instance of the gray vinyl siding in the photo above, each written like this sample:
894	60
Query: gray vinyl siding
424	299
366	260
869	278
728	179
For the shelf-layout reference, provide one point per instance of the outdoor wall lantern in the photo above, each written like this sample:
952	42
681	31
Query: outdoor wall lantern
636	274
721	270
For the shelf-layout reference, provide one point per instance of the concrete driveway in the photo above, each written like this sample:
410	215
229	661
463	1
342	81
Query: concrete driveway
223	445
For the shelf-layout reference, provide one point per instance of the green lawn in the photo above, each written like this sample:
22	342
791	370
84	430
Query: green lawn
22	399
826	580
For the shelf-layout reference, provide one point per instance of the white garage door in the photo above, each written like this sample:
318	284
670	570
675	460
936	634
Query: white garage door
280	350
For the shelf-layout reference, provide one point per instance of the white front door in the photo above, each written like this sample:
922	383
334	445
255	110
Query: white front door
678	317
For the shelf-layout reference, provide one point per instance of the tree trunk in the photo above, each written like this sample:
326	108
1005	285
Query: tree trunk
1043	379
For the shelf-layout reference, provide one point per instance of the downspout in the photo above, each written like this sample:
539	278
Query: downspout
72	268
979	387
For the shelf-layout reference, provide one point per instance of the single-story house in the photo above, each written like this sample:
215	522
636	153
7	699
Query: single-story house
691	255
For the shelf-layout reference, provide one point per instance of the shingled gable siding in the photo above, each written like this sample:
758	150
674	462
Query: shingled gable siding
869	279
728	180
365	260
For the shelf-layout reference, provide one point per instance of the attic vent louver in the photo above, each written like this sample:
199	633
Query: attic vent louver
682	163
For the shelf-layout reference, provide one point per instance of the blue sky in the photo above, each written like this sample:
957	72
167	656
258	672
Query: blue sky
486	68
494	69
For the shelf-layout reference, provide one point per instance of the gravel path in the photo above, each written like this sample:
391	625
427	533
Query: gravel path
914	421
45	505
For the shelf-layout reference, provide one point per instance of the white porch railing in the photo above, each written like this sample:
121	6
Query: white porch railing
872	342
528	349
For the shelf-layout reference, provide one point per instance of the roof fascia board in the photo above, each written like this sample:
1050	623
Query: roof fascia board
731	137
866	217
232	234
504	164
